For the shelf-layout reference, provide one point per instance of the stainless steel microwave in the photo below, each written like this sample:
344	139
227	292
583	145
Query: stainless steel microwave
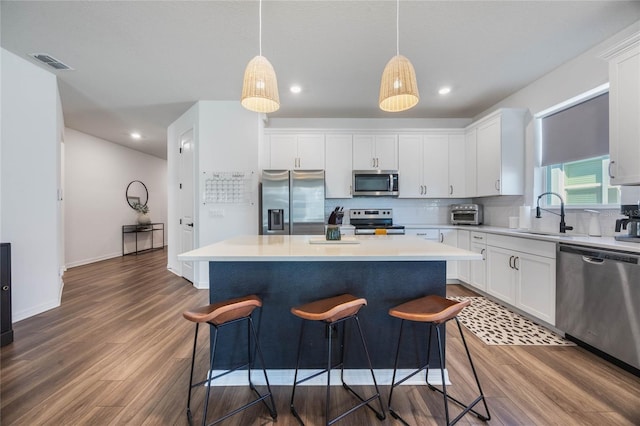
375	183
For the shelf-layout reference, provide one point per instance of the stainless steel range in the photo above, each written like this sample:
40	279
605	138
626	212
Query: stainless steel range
367	221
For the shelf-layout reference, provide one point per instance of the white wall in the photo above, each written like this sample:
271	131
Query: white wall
227	138
31	136
97	173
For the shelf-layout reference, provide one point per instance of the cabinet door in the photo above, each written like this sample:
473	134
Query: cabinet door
489	158
363	152
536	286
471	149
457	166
463	265
284	151
310	152
450	238
436	165
477	268
386	152
338	174
411	184
501	275
624	130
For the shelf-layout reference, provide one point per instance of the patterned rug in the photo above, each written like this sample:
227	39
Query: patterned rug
496	325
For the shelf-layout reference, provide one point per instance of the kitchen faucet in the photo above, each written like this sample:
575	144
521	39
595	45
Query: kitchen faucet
563	226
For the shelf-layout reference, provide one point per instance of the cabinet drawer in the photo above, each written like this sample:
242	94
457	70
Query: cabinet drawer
525	245
478	237
426	233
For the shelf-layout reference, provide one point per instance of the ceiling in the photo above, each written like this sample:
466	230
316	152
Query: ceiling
138	65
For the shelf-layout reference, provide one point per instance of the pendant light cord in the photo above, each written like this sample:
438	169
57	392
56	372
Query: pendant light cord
260	27
397	27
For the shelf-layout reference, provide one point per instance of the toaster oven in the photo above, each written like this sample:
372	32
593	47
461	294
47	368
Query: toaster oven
466	214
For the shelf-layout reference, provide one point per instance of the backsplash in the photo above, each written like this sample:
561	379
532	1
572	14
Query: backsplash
405	211
497	211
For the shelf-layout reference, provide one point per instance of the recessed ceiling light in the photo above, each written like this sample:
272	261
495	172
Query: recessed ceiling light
295	89
444	90
135	135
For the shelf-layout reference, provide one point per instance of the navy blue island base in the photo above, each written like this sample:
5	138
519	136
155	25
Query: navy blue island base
284	284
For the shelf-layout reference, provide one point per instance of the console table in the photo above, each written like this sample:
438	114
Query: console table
151	228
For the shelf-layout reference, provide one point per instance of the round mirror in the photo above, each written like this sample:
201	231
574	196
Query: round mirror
137	194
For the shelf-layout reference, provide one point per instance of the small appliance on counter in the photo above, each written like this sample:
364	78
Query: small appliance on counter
466	214
631	223
374	221
292	202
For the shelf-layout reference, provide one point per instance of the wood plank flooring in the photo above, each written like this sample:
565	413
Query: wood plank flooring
117	352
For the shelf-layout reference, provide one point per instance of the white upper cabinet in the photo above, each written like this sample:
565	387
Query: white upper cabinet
410	172
431	165
337	175
624	111
375	152
292	151
499	153
457	166
470	160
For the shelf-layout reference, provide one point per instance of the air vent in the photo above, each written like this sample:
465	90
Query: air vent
51	61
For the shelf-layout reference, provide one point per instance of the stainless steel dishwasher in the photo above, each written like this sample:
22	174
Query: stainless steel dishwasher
598	300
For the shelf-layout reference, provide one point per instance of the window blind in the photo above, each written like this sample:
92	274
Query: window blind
576	133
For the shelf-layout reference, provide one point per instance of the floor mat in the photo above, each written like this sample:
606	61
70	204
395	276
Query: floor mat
496	325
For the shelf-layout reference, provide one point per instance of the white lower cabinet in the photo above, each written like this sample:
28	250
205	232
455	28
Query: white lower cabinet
450	238
478	268
445	236
501	275
521	272
463	265
536	286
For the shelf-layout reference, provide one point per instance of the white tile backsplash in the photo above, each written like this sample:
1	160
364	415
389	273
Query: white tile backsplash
405	211
497	211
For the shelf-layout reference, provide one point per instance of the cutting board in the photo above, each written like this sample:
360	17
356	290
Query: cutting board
323	240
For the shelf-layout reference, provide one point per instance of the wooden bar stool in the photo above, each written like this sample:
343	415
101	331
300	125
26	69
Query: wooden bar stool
333	311
436	311
218	315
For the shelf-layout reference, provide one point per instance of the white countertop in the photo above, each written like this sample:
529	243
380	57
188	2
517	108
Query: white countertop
281	248
582	240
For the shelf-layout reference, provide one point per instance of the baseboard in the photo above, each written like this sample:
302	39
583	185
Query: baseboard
35	310
92	260
352	377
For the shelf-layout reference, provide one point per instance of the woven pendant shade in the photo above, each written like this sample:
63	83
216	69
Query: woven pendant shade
260	86
398	87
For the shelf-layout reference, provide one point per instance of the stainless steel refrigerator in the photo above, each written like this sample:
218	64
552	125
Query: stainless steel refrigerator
292	202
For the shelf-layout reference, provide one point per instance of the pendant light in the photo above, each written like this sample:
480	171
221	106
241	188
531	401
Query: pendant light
260	86
398	87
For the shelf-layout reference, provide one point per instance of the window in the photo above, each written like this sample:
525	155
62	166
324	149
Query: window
575	152
582	182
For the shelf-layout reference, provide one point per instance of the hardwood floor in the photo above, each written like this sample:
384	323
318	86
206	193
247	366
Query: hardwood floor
118	351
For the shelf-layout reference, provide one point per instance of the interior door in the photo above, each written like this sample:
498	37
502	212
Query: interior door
186	201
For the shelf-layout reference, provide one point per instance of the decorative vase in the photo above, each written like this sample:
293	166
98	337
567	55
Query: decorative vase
144	219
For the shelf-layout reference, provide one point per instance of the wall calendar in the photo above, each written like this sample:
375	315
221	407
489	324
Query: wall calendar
228	187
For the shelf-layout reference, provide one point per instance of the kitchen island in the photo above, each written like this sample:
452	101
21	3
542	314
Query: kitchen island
286	271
